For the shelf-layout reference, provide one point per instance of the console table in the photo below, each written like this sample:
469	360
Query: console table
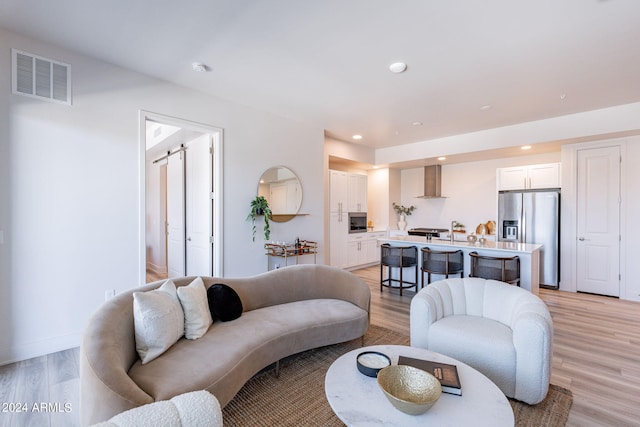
288	251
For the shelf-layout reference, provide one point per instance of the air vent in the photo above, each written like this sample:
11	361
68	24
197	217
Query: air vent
41	78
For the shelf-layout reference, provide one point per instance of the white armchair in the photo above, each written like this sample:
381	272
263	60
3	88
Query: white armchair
192	409
501	330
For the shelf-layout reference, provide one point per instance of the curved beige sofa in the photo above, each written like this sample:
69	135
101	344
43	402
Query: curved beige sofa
285	311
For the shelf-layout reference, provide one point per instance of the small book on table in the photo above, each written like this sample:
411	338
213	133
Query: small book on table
445	373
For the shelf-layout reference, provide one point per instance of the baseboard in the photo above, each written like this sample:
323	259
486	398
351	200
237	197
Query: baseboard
40	348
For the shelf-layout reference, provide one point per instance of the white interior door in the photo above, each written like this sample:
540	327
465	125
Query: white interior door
278	198
598	221
175	216
199	207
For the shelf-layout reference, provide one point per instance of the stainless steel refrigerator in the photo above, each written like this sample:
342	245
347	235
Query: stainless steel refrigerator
533	216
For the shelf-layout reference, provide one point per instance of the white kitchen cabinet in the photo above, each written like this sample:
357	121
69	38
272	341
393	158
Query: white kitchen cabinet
338	232
338	191
544	176
338	219
357	253
372	246
357	193
529	177
348	193
363	248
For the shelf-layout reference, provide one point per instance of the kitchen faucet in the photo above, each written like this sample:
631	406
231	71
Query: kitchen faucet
451	230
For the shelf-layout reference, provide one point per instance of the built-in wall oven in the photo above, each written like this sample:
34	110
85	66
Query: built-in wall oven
357	222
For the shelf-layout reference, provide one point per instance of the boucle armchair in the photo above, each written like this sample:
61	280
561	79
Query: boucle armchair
193	409
501	330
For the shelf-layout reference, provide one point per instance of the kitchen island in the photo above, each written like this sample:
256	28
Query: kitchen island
529	255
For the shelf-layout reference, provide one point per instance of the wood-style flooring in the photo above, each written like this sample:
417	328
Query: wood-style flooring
596	356
596	349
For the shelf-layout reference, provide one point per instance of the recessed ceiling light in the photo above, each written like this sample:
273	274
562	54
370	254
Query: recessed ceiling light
525	147
357	137
417	123
442	158
199	67
398	67
486	107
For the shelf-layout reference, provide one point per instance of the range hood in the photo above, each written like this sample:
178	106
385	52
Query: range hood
432	182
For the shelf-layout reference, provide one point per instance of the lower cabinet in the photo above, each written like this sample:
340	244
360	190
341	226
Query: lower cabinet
364	248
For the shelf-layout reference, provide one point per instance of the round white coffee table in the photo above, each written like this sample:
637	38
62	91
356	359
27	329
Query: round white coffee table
358	400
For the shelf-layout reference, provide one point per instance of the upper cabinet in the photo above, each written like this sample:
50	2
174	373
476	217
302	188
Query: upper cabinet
338	192
529	177
357	193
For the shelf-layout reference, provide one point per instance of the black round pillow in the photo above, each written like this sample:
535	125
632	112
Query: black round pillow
224	302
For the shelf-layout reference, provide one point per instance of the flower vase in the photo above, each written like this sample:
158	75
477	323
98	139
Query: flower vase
402	223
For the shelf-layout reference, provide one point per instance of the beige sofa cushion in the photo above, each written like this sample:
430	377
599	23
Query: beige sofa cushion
249	343
197	317
158	320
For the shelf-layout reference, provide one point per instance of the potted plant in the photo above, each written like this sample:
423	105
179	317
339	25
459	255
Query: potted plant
458	227
260	207
402	211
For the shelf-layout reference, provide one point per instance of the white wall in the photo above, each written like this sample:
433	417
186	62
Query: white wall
349	150
470	190
378	198
631	235
70	191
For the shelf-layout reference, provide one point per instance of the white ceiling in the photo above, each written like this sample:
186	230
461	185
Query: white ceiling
326	62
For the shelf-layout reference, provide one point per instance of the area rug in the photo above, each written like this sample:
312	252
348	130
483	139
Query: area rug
297	397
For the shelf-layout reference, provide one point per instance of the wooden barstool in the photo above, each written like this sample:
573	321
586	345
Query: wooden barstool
400	257
504	269
441	262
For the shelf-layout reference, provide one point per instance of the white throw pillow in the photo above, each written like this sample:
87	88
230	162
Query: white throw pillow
158	320
197	317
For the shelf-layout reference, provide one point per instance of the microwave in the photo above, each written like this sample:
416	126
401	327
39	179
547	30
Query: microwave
357	222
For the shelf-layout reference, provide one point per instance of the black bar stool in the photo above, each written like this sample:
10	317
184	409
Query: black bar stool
400	257
504	269
441	262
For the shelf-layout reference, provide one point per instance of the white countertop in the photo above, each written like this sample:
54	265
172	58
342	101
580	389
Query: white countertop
489	245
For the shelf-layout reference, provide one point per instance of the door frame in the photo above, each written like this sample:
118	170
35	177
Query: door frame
568	241
217	196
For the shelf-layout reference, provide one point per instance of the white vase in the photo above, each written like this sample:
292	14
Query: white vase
402	223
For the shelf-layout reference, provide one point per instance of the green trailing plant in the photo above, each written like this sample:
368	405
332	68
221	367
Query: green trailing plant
260	207
403	210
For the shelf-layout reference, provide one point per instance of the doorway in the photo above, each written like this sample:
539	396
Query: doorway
182	198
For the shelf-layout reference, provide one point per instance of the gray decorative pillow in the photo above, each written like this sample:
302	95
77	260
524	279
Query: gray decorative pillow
197	317
158	320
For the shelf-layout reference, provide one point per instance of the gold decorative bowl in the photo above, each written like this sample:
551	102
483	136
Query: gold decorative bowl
411	390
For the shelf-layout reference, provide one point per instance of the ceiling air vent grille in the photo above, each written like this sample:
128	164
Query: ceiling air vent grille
41	78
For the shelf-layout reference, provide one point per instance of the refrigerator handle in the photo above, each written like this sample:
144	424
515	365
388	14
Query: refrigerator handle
523	232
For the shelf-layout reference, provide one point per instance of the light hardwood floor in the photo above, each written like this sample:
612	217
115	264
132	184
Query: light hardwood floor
596	349
596	356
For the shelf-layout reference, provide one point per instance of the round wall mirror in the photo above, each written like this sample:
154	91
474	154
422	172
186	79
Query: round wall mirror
281	187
